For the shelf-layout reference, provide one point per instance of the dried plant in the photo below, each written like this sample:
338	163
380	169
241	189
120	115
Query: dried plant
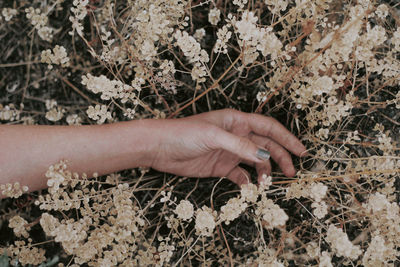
327	70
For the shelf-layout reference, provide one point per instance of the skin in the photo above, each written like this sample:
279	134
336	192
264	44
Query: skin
210	144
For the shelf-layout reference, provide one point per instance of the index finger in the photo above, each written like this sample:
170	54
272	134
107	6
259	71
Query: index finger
267	126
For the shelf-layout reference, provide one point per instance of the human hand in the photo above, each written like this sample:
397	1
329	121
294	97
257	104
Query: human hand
212	144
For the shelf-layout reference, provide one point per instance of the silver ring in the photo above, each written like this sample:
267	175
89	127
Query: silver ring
263	154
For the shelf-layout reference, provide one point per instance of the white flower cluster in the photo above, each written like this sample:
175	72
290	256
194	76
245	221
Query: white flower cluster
254	38
297	190
205	221
184	210
58	199
334	110
382	11
395	101
9	113
109	232
323	133
350	35
266	257
320	209
56	176
249	193
214	16
385	143
353	137
26	253
232	209
167	67
165	251
79	13
113	89
276	6
13	190
325	259
54	112
19	225
341	244
316	87
70	233
99	113
318	192
166	197
374	37
58	56
109	88
128	216
8	13
271	214
240	3
313	249
379	253
152	23
74	119
261	96
124	220
39	20
192	50
165	77
199	34
379	204
223	36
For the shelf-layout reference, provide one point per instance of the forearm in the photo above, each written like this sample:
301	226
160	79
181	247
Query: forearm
28	151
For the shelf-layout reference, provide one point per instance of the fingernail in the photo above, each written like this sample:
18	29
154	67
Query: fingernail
263	154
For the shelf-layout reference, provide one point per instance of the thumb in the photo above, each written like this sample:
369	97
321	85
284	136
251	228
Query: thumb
240	146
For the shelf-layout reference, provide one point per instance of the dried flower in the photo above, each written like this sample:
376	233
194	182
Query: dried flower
8	13
192	50
58	56
318	191
39	21
19	226
341	244
272	215
13	190
223	35
199	34
249	192
320	209
214	16
325	260
99	113
232	209
184	210
205	221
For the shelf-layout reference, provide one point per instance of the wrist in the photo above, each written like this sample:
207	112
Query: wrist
143	142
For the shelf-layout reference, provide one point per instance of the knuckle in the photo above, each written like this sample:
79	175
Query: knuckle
268	143
229	112
243	143
210	133
232	112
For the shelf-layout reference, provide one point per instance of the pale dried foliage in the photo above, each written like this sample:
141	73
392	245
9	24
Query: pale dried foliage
332	68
